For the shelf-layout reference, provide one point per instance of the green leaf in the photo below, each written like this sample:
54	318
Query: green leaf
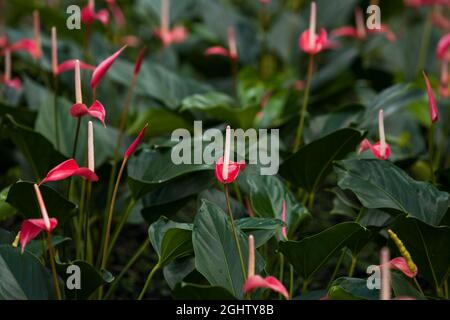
220	107
171	240
261	228
90	279
36	148
351	289
22	276
191	291
20	115
177	270
380	184
157	82
152	169
403	287
267	194
428	246
6	210
312	163
310	254
21	196
216	254
37	247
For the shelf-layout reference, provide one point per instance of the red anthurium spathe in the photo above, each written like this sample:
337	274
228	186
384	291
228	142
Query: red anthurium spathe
227	170
66	65
311	42
255	281
168	36
68	169
32	227
28	45
139	60
89	16
116	12
14	83
434	115
103	67
400	264
132	148
381	149
442	50
444	80
422	3
361	31
283	218
230	53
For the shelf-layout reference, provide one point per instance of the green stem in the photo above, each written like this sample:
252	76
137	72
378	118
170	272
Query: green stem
105	246
424	44
291	281
352	266
311	200
305	286
238	193
55	112
301	124
136	256
336	269
51	251
281	272
418	286
148	281
86	219
81	216
233	226
120	226
431	152
77	133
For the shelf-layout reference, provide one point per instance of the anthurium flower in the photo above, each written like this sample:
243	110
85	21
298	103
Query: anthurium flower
168	36
381	149
88	14
311	42
66	65
401	264
434	115
133	146
421	3
227	170
361	31
32	227
14	83
116	12
28	45
443	54
103	67
79	109
385	292
255	281
230	53
442	50
444	80
407	259
68	169
283	218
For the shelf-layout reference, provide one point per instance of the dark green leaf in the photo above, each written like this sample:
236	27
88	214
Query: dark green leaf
261	228
191	291
351	289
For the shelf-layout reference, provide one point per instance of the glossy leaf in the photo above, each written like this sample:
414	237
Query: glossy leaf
380	184
311	253
191	291
171	240
352	289
261	228
312	163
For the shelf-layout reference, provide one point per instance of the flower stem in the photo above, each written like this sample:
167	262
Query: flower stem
77	133
301	124
120	226
51	251
336	269
136	256
352	266
105	246
291	281
234	74
86	219
233	226
55	112
148	281
431	152
424	44
418	286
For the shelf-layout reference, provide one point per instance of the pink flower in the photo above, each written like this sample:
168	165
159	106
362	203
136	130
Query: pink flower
14	83
381	149
135	143
255	281
103	67
32	227
168	36
442	51
96	110
68	169
444	81
283	218
311	42
421	3
88	14
361	31
434	115
139	60
227	170
66	65
28	45
116	12
230	53
400	264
